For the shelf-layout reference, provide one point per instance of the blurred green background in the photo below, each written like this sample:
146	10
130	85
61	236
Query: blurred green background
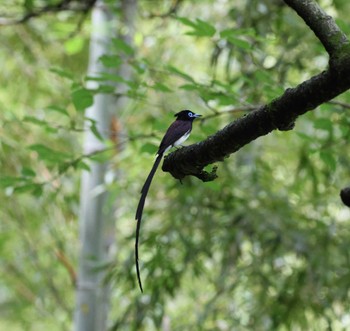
263	247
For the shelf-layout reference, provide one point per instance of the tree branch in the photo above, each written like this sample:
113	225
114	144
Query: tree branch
321	24
280	113
64	5
172	10
345	196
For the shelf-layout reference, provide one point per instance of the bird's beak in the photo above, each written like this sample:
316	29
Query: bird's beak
197	115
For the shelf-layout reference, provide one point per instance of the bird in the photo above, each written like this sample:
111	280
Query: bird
176	134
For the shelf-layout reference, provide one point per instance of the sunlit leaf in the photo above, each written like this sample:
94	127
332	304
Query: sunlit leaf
74	45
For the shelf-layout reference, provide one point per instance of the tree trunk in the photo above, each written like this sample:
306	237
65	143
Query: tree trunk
96	221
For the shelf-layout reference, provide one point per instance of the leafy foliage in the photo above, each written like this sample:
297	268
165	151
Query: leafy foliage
264	247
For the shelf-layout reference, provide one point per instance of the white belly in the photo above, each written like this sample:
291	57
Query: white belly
182	139
179	141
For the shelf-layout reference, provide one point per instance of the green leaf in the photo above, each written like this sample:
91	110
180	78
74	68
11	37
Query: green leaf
148	148
105	89
186	21
161	87
10	181
200	28
34	120
37	190
111	61
41	123
237	33
34	188
204	29
74	45
304	136
28	172
224	100
63	167
28	5
189	87
100	157
58	110
26	188
323	124
328	159
105	76
140	67
82	165
47	154
123	46
236	37
180	73
50	129
82	99
62	73
240	43
95	131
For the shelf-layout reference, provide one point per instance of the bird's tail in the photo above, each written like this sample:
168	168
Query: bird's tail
139	211
146	186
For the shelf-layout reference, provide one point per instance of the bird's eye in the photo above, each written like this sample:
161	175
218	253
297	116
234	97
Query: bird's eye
190	114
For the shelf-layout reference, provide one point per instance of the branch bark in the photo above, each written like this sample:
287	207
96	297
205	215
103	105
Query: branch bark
345	196
281	112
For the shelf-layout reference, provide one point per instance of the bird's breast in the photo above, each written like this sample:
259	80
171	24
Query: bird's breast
182	139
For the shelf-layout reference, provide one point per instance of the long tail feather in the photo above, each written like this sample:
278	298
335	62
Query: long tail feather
139	211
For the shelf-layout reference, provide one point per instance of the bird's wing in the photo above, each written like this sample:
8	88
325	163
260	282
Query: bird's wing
175	131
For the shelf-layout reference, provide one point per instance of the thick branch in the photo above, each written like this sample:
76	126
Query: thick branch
281	112
345	196
321	24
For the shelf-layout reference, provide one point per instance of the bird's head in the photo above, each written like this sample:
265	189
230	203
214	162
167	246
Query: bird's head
186	115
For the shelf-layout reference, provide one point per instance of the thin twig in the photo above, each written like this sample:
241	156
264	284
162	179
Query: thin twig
64	5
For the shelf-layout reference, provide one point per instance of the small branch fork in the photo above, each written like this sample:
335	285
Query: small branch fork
281	112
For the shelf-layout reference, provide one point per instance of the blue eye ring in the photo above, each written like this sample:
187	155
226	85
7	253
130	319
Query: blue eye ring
190	114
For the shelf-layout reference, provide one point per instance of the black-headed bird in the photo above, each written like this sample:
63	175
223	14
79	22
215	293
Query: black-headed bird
176	134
